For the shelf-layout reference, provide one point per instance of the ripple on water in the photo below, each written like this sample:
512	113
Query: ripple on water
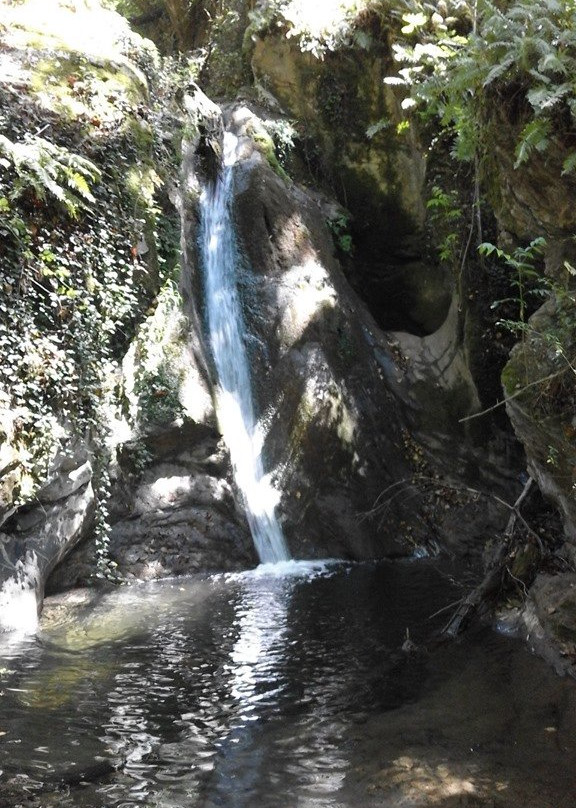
286	688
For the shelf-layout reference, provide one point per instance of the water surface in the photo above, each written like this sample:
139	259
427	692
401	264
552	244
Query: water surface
286	687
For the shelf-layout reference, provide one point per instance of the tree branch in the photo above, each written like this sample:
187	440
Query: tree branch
492	580
513	395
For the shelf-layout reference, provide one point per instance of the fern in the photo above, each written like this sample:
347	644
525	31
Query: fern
373	129
534	137
47	167
544	98
552	63
524	49
498	71
569	164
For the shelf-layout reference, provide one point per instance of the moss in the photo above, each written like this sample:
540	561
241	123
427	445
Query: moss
141	182
265	146
141	135
346	97
74	87
510	379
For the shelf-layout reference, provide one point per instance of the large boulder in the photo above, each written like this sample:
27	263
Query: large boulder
334	434
179	515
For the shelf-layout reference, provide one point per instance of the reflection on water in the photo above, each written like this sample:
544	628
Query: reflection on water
257	655
286	687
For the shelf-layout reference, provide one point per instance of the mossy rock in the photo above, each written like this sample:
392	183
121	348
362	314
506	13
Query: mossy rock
554	597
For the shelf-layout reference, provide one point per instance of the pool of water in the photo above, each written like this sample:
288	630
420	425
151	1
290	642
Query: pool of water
286	687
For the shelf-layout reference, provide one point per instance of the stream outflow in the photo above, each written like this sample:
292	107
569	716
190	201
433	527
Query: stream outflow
235	405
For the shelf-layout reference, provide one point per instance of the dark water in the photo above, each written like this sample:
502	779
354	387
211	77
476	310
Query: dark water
285	690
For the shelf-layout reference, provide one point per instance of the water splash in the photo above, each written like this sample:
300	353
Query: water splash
234	402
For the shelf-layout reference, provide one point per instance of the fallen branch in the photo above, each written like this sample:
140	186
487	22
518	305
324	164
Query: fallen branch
492	581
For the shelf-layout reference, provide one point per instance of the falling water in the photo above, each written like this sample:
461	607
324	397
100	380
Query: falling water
234	403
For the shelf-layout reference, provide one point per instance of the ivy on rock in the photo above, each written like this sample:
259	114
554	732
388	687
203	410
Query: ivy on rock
88	239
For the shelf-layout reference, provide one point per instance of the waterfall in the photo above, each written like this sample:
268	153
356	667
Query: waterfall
234	402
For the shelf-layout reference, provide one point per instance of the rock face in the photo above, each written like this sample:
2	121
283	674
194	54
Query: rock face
74	100
536	201
540	404
37	538
353	136
335	437
327	383
181	516
549	619
172	508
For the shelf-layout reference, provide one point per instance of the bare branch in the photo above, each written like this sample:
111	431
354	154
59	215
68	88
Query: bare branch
514	395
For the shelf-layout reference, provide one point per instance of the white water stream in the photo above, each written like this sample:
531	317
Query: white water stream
234	404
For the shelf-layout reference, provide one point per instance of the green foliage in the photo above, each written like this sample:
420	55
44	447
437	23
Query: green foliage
526	280
265	144
282	133
378	126
106	568
226	62
159	364
542	369
569	164
130	8
444	219
158	395
535	137
41	166
521	56
339	226
87	241
316	33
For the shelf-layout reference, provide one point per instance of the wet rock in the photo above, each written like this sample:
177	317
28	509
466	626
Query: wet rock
204	134
30	555
68	480
535	200
333	428
328	381
176	515
38	534
549	617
